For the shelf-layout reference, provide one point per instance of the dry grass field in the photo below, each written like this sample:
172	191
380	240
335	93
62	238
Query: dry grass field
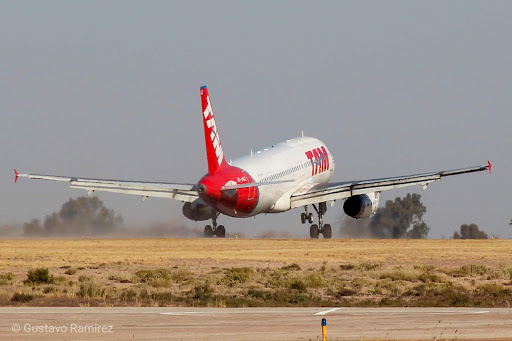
248	272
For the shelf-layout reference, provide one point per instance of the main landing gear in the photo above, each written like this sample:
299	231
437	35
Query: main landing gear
218	231
315	230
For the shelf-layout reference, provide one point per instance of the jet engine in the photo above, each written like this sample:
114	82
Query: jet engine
198	210
361	206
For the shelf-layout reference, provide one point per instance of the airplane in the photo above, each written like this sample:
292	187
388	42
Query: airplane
292	174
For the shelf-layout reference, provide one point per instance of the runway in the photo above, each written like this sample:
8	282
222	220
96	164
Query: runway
254	323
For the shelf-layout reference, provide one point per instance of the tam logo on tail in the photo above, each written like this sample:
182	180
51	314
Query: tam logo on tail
214	152
214	136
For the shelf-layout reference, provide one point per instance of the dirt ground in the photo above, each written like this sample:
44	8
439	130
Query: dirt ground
249	272
18	254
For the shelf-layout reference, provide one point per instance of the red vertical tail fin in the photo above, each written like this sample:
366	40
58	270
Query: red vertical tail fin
214	152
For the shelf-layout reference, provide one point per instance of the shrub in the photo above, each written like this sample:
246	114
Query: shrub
256	293
315	281
21	297
60	279
91	290
84	278
424	289
6	278
160	283
507	273
369	266
399	276
180	275
292	267
347	266
49	290
237	276
457	295
424	267
428	277
390	286
385	301
202	292
469	270
287	297
235	302
119	279
39	276
163	296
70	271
278	278
360	282
345	292
441	295
298	285
128	295
494	290
147	276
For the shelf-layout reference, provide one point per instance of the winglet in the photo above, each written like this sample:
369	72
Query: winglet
15	175
489	166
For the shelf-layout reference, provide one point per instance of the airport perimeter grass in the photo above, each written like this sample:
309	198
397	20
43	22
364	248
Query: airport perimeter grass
248	272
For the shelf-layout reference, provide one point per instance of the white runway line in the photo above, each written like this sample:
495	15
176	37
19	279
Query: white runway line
327	311
480	312
184	313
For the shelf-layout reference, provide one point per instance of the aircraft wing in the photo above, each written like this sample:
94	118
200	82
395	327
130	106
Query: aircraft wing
182	192
317	193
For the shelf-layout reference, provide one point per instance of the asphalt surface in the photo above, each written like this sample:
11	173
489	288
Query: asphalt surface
59	323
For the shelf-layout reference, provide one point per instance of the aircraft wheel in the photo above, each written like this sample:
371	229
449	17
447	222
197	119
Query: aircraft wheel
327	232
303	217
310	218
208	231
221	231
313	231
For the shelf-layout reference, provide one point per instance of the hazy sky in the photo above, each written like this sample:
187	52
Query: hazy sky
110	89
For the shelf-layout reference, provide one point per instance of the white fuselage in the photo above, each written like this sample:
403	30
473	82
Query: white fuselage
303	160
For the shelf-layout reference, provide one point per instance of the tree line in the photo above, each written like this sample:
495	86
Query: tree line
88	216
470	231
83	216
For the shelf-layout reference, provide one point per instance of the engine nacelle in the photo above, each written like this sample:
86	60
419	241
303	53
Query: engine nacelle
198	210
361	206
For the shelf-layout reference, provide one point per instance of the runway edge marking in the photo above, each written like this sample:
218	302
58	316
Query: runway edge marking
327	311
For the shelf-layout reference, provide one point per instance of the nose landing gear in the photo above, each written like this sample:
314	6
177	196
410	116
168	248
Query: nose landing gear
219	231
306	217
315	230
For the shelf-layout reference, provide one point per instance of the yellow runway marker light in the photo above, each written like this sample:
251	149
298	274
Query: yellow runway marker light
324	330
